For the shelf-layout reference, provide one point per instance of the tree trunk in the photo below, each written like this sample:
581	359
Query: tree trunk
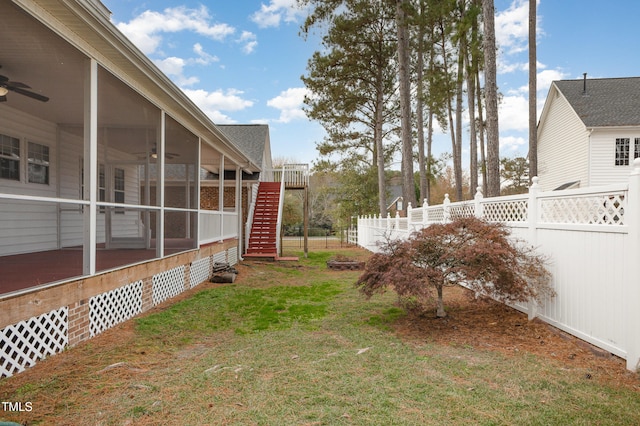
408	191
457	155
483	159
491	98
440	312
420	116
533	113
429	156
377	135
473	142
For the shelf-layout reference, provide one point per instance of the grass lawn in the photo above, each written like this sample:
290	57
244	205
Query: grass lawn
296	344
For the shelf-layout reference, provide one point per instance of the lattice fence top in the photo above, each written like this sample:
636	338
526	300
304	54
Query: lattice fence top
24	343
435	214
597	209
114	307
200	271
506	211
416	215
458	211
168	284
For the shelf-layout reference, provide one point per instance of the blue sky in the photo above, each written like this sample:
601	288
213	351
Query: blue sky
241	61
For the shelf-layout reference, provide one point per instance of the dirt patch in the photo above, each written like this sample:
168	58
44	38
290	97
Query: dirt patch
492	326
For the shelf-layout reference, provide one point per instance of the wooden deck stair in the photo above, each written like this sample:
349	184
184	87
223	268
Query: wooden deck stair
262	240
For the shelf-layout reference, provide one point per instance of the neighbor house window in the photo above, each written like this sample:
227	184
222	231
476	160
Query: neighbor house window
118	188
622	151
9	157
38	163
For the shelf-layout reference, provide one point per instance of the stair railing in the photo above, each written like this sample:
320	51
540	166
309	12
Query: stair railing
252	208
280	208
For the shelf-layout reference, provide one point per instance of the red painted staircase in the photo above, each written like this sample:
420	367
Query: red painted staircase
262	239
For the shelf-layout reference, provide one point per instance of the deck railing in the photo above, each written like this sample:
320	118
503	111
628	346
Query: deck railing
293	175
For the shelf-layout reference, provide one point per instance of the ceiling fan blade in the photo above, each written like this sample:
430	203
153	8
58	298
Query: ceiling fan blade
29	94
17	84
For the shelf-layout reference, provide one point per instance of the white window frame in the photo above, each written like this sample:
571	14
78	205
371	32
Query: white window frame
9	158
38	159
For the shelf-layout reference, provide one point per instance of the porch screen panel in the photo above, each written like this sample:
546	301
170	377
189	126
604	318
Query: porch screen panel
128	206
180	186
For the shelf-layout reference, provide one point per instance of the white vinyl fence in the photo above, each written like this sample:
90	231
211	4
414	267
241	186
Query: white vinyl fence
590	235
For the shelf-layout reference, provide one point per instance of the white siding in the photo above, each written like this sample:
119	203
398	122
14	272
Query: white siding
603	153
562	146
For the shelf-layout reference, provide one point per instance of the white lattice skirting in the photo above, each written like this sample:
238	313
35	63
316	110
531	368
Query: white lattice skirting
114	307
200	271
168	284
220	257
232	256
26	342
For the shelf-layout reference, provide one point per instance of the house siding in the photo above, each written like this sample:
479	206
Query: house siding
602	151
563	154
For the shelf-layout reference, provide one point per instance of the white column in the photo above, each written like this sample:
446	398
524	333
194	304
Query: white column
197	175
239	211
90	166
221	196
160	186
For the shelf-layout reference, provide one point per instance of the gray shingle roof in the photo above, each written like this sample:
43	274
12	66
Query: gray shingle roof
607	101
250	138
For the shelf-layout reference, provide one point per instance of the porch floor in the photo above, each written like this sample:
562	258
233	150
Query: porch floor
22	271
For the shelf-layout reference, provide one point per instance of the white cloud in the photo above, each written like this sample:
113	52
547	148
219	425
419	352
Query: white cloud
512	27
173	67
511	144
271	14
145	30
212	103
290	104
514	113
547	76
203	57
248	39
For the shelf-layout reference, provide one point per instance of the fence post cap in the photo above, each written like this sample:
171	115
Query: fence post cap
478	192
535	181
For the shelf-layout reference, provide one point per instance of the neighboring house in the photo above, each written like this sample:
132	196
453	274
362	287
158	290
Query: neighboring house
103	209
589	132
